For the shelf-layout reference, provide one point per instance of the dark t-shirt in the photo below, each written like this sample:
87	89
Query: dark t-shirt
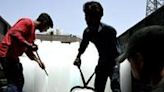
105	41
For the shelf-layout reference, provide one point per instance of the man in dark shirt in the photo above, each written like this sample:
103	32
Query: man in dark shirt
104	38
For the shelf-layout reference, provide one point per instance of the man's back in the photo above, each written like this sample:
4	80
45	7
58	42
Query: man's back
21	31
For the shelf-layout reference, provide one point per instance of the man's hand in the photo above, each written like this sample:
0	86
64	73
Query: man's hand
33	47
77	62
41	64
30	46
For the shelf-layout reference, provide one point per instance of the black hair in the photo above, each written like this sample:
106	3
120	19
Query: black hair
44	17
149	42
93	8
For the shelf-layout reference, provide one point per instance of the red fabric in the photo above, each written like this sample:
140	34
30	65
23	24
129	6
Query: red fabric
12	44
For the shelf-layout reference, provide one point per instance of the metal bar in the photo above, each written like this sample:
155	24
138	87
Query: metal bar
39	62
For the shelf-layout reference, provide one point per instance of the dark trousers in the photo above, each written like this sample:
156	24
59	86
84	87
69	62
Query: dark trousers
14	73
103	71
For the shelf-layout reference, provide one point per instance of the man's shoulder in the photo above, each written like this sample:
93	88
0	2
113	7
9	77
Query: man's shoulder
108	28
26	21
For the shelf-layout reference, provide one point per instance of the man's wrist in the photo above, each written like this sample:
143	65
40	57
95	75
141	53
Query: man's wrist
27	44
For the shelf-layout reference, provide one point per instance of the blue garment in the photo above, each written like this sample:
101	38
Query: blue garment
9	88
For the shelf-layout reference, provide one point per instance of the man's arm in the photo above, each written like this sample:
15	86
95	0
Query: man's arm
114	44
83	45
32	56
